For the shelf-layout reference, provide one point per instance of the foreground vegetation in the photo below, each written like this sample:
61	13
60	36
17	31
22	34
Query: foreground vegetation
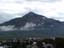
24	43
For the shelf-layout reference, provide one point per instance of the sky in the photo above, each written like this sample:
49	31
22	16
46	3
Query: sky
10	9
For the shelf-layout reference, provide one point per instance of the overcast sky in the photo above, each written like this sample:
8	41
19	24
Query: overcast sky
10	9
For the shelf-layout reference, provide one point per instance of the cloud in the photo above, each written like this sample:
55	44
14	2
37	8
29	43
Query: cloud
20	1
28	26
7	28
45	0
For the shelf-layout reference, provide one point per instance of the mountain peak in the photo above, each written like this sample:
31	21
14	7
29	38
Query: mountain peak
31	14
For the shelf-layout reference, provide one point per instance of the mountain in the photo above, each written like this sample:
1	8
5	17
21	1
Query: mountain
31	18
35	23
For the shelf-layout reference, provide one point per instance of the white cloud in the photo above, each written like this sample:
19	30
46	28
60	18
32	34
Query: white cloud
18	1
48	8
7	28
28	26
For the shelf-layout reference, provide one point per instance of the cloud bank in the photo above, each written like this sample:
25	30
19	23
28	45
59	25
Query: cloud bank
27	26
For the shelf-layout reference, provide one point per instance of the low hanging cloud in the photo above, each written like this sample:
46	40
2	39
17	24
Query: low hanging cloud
27	26
7	28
